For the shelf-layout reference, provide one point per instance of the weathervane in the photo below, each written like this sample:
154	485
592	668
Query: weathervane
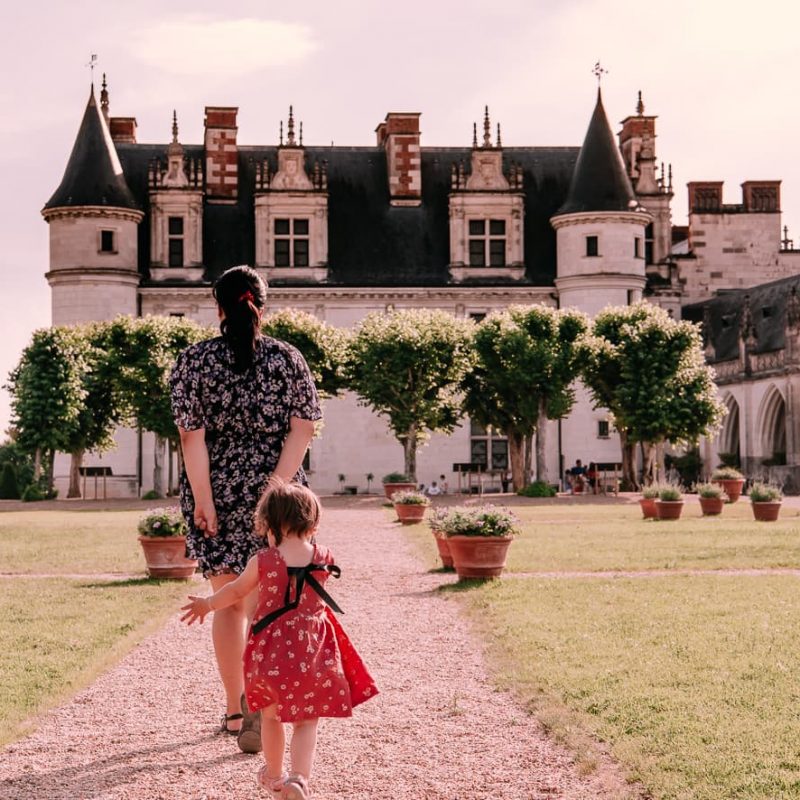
91	64
599	71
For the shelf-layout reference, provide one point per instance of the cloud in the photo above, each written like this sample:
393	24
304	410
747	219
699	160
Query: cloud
201	46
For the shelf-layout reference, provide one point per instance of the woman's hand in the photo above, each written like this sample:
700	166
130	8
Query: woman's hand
197	609
205	517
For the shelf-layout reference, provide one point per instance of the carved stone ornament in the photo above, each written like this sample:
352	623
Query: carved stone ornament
487	172
291	172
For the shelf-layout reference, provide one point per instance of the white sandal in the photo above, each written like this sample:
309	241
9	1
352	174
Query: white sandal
272	785
295	788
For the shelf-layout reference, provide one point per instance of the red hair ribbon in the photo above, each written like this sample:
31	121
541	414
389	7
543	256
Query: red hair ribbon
248	295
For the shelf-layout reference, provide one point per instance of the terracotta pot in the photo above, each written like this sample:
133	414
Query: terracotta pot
732	487
669	509
390	488
443	546
711	506
648	505
409	513
166	557
479	556
766	511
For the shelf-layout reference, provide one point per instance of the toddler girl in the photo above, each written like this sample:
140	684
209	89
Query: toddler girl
299	664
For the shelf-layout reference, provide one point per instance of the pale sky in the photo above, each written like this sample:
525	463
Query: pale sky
721	76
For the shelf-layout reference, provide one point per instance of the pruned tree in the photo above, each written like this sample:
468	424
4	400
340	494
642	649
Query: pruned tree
526	360
649	371
407	366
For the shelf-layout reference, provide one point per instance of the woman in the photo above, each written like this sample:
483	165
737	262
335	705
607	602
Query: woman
245	406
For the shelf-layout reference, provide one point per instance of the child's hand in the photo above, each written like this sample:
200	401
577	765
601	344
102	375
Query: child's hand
196	610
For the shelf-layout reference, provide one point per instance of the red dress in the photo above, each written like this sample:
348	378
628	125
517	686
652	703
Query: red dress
297	653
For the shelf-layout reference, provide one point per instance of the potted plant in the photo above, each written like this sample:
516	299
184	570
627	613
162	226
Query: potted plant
479	539
648	500
765	501
410	506
670	502
396	482
731	480
438	522
162	534
712	498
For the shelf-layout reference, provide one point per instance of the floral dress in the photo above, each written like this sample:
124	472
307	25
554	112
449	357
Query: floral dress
246	420
298	655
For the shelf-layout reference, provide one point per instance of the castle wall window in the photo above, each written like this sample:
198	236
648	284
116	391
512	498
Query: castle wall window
107	242
487	242
637	246
175	244
603	429
592	246
291	242
488	448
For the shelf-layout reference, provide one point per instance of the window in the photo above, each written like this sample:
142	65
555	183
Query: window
481	241
637	246
107	242
175	231
291	243
488	448
592	247
603	429
648	244
477	316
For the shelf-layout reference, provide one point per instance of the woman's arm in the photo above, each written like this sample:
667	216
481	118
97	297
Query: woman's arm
195	459
229	594
301	432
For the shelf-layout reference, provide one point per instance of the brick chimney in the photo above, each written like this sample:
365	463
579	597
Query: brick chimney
705	197
222	157
760	196
123	130
399	136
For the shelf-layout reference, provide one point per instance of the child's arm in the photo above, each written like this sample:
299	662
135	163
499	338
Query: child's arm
199	607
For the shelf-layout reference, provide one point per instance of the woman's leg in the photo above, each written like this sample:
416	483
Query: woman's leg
303	747
228	634
273	742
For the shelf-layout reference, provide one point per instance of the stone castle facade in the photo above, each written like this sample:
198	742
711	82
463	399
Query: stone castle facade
343	231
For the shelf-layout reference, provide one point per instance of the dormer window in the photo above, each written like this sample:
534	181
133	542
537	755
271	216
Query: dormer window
592	246
291	242
107	242
175	231
487	242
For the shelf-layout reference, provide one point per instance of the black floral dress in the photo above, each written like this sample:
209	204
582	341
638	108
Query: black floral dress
246	420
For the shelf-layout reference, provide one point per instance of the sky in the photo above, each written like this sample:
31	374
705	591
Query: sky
720	76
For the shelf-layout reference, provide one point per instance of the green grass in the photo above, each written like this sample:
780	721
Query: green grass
558	537
74	542
58	635
692	680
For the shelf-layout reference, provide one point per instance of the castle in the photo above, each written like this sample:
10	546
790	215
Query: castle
343	231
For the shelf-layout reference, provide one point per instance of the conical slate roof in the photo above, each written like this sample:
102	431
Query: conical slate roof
94	175
599	182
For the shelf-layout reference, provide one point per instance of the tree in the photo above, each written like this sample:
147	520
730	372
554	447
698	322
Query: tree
22	461
648	370
323	346
527	358
407	366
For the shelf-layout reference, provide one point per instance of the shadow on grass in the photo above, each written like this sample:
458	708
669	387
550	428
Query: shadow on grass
134	582
464	585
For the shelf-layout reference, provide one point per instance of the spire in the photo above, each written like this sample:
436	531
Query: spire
487	128
174	127
640	105
93	176
498	144
475	134
104	98
599	182
290	129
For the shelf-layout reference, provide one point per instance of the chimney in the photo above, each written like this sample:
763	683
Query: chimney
123	130
222	157
705	196
399	136
761	196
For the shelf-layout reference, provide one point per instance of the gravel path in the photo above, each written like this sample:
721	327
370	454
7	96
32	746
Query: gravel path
438	730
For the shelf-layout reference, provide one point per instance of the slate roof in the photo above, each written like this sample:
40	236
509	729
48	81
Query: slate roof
600	182
93	176
768	309
370	242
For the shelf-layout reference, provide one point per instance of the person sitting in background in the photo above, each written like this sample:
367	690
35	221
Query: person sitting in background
443	484
577	478
434	489
592	475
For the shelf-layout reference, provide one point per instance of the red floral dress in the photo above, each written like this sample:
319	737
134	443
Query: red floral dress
298	655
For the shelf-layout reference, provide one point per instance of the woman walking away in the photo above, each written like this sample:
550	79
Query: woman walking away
299	664
245	406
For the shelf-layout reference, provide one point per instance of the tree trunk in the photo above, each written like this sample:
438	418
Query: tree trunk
629	482
76	459
49	464
410	451
649	453
541	443
528	459
37	465
517	458
158	466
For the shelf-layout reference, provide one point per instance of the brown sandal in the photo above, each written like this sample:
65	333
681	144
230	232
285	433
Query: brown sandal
249	737
226	718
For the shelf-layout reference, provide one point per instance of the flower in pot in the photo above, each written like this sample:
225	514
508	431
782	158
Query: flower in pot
670	502
410	506
712	498
731	480
765	500
438	520
397	482
162	534
648	500
479	539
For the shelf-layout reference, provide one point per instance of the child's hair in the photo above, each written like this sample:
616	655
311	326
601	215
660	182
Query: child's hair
287	509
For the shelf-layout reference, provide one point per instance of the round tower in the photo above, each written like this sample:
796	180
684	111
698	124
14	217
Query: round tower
600	228
93	219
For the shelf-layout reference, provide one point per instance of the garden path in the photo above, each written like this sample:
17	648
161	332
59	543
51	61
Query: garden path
439	730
